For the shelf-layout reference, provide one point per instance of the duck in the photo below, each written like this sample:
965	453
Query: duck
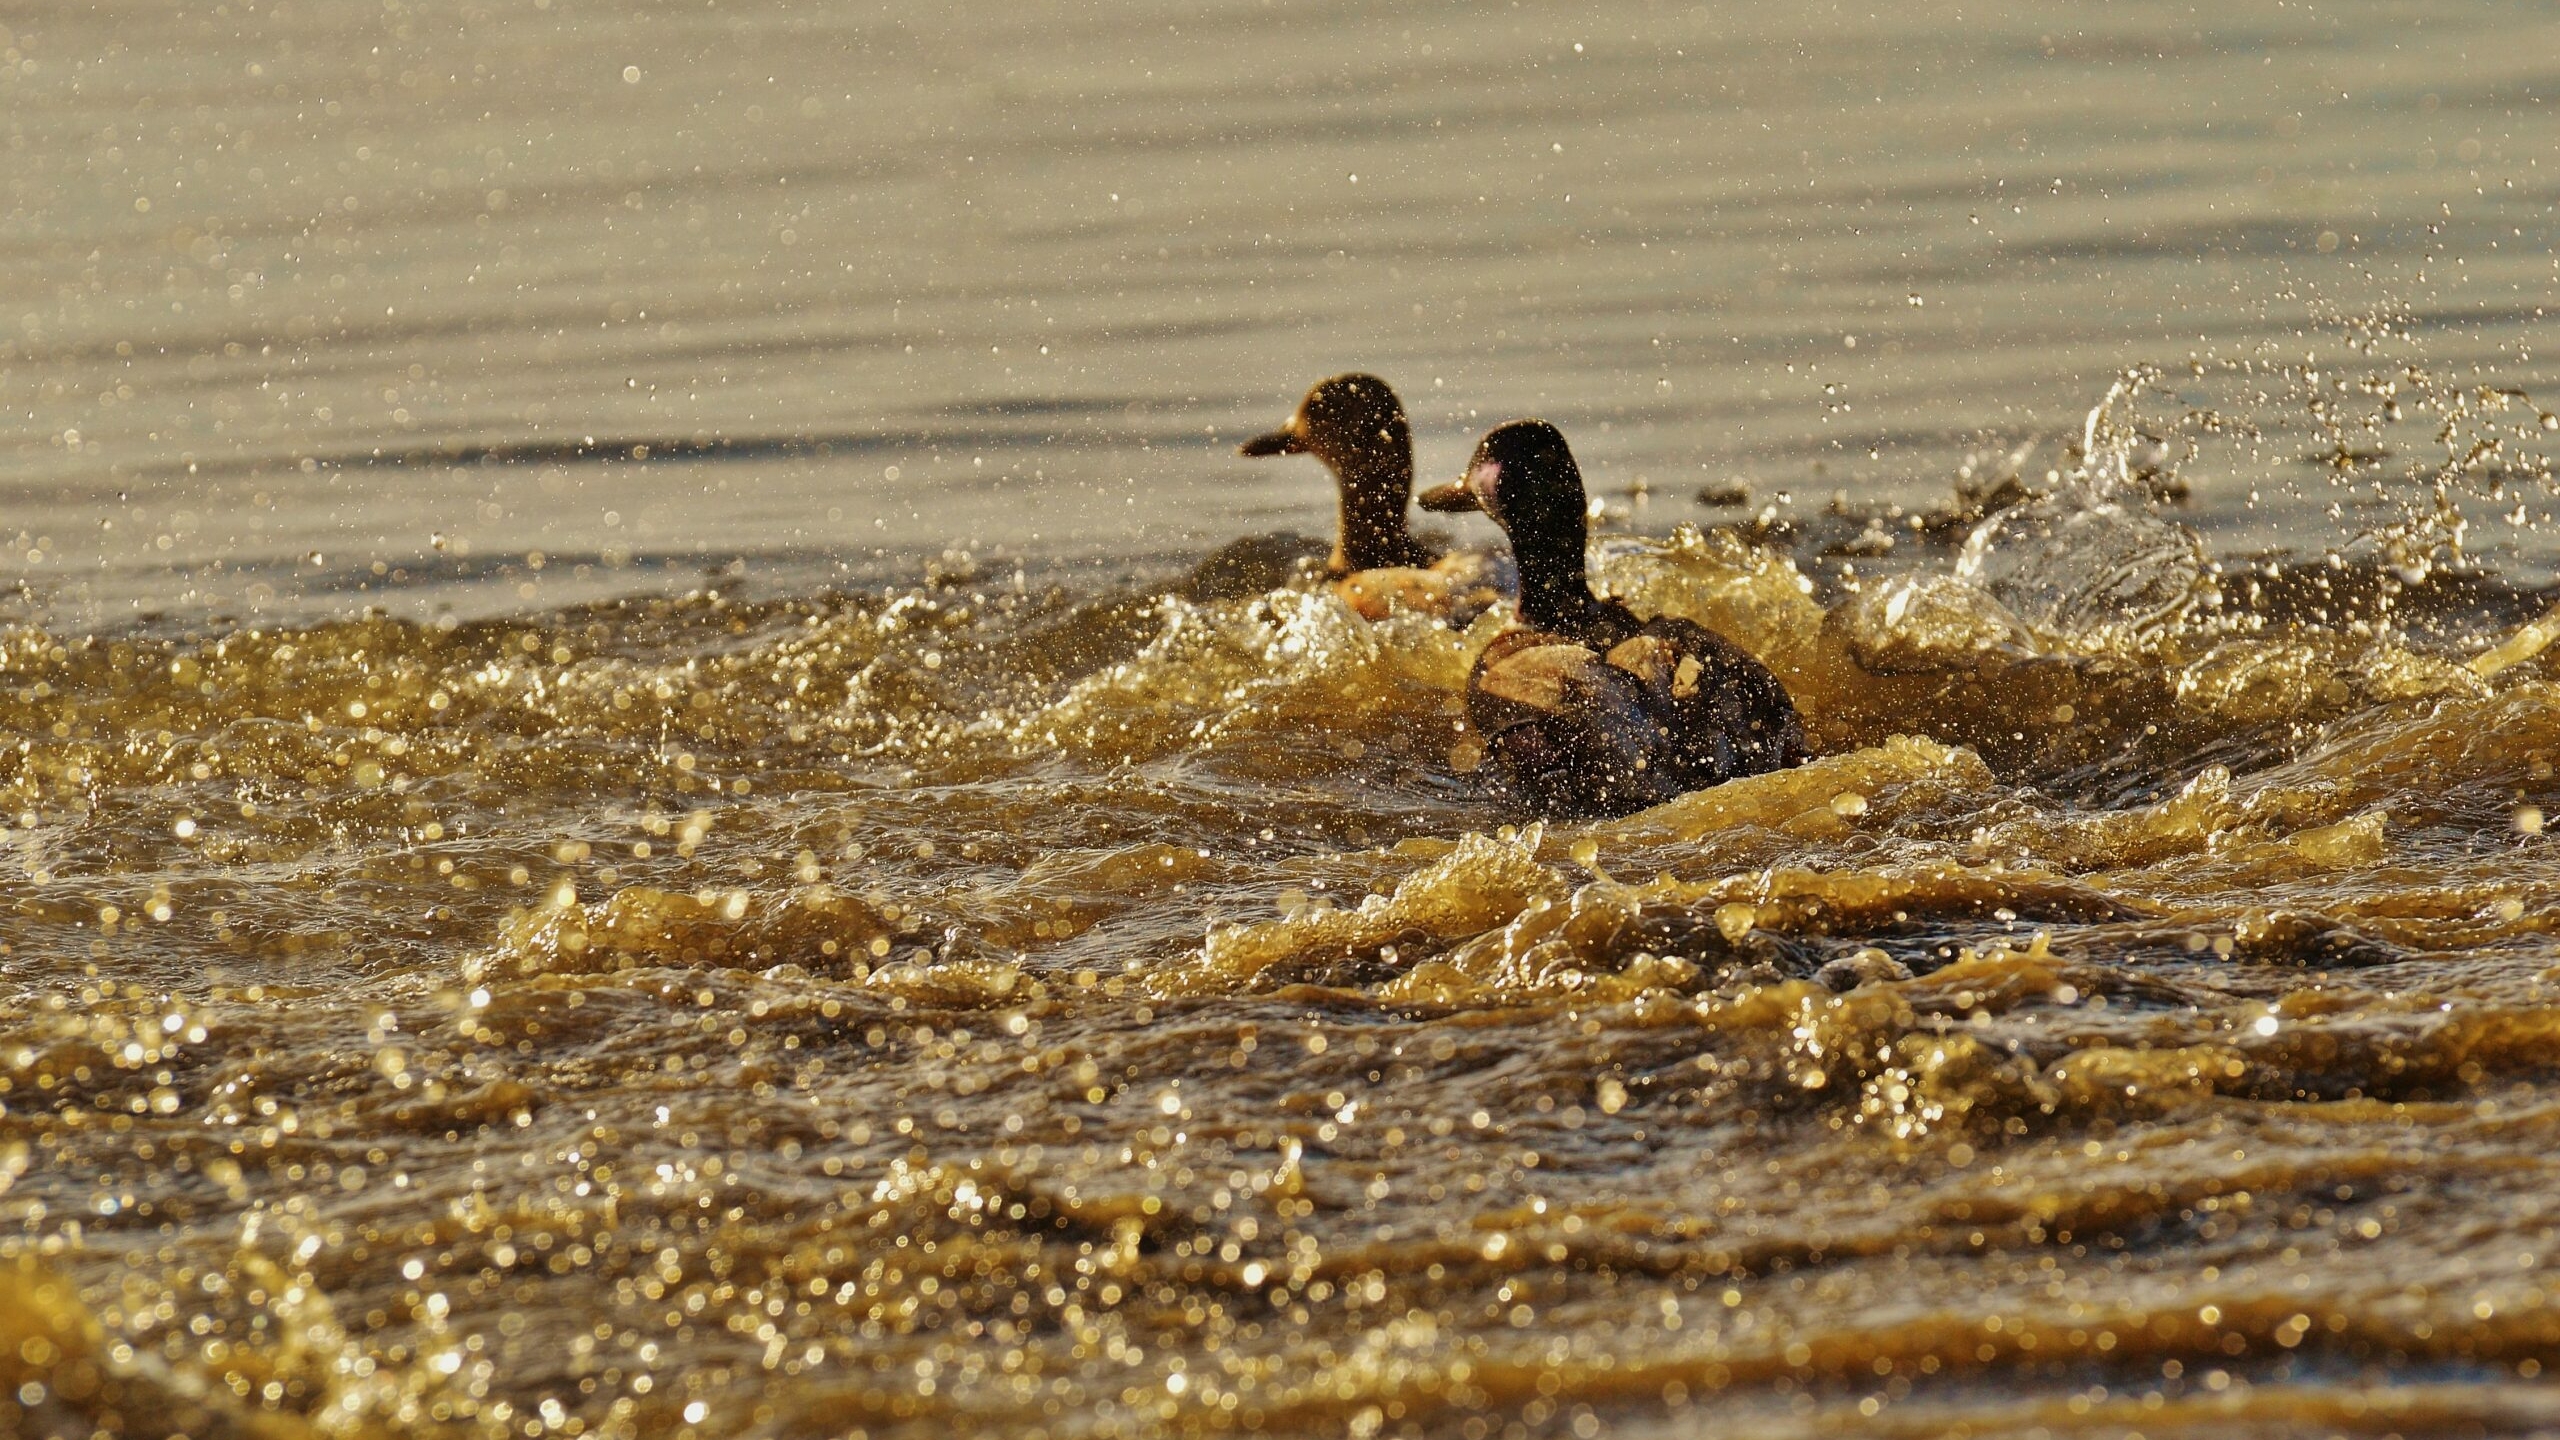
1585	708
1355	425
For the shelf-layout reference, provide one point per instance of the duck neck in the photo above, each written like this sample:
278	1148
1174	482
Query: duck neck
1554	595
1374	491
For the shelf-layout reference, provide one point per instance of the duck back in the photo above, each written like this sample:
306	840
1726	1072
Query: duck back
1456	588
1627	713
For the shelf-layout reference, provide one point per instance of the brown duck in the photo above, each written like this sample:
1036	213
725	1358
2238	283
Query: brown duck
1586	709
1356	426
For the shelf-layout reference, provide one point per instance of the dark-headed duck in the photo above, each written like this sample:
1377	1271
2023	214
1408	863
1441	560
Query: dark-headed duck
1586	709
1356	426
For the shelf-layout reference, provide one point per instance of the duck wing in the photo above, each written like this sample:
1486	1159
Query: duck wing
1572	733
1456	587
1376	594
1721	711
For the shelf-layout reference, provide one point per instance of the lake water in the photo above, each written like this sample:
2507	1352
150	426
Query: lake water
621	812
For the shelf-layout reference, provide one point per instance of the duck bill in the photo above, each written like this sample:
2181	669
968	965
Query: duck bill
1278	442
1453	498
1474	490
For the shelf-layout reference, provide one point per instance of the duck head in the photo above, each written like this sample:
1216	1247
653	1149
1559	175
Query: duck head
1523	477
1356	426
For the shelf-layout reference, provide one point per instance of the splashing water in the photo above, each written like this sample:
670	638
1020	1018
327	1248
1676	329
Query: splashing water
2090	563
1050	1008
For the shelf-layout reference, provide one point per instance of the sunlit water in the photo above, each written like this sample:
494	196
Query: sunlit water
622	810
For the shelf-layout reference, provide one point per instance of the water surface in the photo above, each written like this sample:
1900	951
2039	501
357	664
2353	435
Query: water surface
622	811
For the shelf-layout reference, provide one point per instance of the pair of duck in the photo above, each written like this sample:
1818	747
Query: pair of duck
1585	708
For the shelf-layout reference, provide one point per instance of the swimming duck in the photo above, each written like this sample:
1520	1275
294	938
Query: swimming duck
1586	709
1356	426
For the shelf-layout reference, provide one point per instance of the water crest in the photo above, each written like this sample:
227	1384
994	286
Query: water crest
1002	1004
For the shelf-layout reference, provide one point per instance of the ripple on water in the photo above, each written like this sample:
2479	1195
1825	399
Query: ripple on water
1092	1012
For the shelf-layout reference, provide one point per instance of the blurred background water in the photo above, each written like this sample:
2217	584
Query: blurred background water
293	290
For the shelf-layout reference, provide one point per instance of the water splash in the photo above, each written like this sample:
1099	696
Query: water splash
2091	564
